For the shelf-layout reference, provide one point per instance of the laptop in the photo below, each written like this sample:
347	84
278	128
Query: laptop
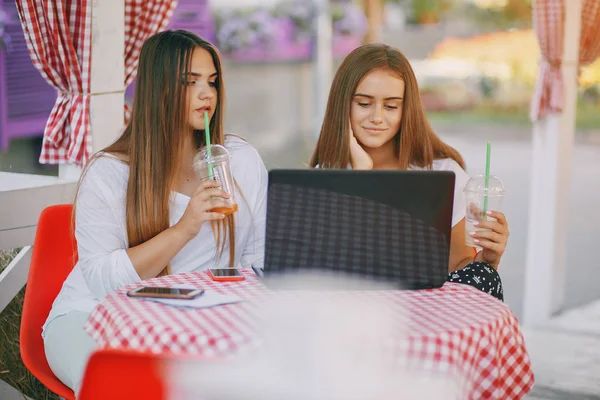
391	227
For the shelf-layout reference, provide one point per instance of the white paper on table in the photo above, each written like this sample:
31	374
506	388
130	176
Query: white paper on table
206	300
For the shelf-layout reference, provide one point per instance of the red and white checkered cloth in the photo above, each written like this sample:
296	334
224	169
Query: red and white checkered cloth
58	35
455	329
549	24
143	18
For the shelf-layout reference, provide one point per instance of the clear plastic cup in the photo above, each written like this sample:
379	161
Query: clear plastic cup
475	193
221	171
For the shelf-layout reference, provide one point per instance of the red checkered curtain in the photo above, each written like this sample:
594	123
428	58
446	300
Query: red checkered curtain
549	23
589	47
58	36
143	18
548	20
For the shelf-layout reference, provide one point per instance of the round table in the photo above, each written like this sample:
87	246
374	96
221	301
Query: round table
453	328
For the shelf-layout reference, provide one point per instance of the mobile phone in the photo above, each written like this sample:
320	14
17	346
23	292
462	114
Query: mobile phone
165	293
226	274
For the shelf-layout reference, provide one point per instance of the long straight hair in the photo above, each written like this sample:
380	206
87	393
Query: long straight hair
154	138
416	143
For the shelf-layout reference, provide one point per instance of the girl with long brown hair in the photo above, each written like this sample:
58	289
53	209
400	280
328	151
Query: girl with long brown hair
141	210
375	120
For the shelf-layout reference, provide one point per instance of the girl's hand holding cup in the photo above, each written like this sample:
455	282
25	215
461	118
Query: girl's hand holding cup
486	227
492	236
207	197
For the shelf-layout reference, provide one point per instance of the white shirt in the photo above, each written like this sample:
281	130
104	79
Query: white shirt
101	232
448	164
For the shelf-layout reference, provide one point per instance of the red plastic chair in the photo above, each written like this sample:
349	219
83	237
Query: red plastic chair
123	375
54	256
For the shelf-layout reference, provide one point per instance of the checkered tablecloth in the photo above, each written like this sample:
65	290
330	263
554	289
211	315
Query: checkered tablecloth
452	329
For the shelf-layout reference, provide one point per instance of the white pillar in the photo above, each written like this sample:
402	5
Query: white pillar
322	62
107	78
107	72
374	12
553	140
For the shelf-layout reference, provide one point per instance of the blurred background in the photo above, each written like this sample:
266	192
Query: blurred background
476	62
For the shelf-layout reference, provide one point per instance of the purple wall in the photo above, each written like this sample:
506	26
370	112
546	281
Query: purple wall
25	98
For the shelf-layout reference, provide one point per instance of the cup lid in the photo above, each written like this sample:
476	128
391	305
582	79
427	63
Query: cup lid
477	184
218	153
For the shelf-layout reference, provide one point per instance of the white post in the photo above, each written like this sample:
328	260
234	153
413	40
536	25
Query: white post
69	171
374	12
107	72
553	140
323	62
107	77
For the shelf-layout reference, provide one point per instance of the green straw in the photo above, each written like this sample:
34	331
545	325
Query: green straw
208	150
487	179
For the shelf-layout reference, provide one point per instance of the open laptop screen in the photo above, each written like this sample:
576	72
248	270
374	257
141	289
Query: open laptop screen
390	226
